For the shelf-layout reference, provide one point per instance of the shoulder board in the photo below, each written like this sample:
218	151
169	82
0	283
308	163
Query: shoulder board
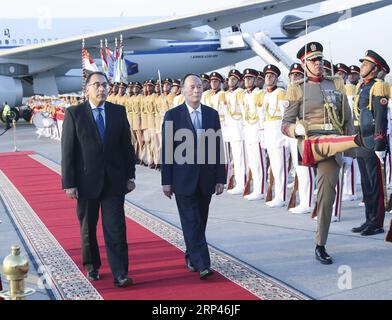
350	89
281	93
294	91
381	89
339	83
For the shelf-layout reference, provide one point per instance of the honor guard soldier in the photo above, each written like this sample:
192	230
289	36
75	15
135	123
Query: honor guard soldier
351	174
122	97
342	71
178	96
143	123
304	175
327	68
215	98
253	133
149	137
275	142
235	131
129	89
205	79
372	96
260	80
113	96
320	125
136	101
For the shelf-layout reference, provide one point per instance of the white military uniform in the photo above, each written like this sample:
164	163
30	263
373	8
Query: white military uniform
276	144
253	113
216	100
235	136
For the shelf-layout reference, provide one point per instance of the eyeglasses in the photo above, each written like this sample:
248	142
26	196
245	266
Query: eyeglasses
97	84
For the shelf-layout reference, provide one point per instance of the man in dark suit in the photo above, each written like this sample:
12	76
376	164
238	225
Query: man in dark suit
98	169
193	168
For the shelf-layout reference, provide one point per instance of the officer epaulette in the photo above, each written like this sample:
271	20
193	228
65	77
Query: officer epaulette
357	87
381	89
294	91
259	98
281	94
350	89
339	83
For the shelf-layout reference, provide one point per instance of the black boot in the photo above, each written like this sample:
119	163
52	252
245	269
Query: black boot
322	255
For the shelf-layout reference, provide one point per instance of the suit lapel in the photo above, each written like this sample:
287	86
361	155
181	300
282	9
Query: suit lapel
204	117
108	121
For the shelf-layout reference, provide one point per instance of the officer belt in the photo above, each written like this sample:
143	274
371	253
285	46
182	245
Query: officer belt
323	127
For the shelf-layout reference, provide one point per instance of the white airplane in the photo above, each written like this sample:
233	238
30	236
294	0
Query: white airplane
39	60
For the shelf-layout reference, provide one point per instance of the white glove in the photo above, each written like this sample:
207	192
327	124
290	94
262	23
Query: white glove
300	130
348	161
380	155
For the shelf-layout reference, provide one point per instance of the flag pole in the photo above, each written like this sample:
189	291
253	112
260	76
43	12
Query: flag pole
83	71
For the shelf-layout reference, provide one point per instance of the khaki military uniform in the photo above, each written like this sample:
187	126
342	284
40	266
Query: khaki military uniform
328	117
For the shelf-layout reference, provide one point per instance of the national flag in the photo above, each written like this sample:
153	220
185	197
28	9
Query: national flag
103	61
88	62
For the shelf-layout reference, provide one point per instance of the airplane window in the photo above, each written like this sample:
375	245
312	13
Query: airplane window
49	39
35	41
42	40
28	41
13	41
7	42
21	41
0	42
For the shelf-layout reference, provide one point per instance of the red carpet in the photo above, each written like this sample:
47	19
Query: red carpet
156	266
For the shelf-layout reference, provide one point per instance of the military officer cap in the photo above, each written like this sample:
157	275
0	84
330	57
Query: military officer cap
327	65
235	73
116	83
123	84
151	82
216	76
205	76
386	68
176	82
168	80
130	83
354	69
270	68
342	67
260	74
145	82
375	58
296	68
250	73
312	50
137	84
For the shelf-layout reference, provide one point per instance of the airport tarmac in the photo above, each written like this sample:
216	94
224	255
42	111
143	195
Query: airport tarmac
272	241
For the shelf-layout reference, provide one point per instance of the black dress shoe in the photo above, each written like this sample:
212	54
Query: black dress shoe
322	255
366	129
369	231
122	282
359	229
189	264
93	275
206	273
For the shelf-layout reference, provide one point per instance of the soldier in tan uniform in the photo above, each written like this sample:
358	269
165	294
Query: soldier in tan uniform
323	121
178	96
113	97
135	102
149	133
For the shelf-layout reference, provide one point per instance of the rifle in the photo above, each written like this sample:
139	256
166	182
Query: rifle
247	184
389	234
270	186
292	201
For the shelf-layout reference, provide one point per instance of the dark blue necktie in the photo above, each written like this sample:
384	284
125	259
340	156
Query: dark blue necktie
100	124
